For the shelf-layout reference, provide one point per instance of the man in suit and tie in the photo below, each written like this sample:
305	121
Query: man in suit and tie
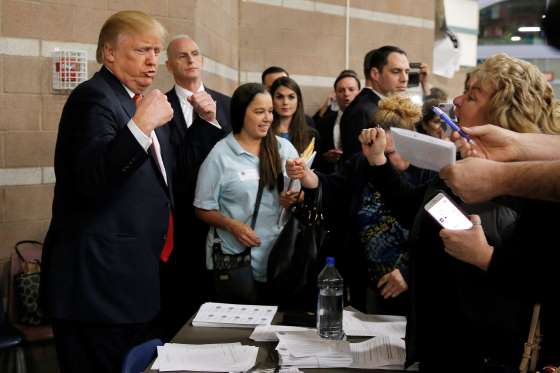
201	118
386	72
112	208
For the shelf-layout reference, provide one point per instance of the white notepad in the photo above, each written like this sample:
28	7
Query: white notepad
424	151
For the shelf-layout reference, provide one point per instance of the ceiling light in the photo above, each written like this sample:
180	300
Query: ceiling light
529	29
515	38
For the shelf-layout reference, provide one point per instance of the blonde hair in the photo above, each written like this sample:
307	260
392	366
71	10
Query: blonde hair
127	22
397	111
522	100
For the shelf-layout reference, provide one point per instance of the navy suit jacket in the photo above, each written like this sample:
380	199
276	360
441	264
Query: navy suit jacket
110	211
357	116
325	127
192	145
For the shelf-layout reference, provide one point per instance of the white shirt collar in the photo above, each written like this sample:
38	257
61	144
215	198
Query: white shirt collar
184	93
377	93
130	93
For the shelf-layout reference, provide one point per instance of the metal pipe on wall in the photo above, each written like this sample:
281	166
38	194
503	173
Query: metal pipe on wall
347	41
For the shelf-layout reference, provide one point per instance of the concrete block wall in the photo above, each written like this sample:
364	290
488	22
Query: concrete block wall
238	38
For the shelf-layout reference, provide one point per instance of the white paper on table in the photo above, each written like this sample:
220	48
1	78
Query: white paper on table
379	353
225	315
307	350
305	343
267	333
206	358
161	350
363	325
424	151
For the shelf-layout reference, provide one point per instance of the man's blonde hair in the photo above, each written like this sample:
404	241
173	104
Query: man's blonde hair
397	111
522	100
127	22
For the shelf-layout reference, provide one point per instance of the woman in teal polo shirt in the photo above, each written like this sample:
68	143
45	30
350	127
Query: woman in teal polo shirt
229	178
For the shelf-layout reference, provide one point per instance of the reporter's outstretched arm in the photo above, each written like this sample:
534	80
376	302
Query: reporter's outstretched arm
479	180
499	144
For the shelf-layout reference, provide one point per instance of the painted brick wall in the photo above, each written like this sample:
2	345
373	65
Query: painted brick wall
238	38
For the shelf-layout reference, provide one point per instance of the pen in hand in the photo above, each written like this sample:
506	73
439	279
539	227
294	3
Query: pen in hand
452	124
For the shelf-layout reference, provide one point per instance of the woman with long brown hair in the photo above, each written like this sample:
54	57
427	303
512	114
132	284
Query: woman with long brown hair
229	180
289	118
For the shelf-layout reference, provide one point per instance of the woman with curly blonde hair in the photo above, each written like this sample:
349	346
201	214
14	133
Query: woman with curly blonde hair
460	319
509	93
367	239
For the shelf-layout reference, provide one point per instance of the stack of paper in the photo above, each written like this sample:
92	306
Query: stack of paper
225	315
379	353
268	333
306	349
223	357
356	323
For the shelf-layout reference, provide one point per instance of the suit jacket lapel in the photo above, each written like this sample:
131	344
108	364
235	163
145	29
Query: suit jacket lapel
121	93
178	117
162	134
129	107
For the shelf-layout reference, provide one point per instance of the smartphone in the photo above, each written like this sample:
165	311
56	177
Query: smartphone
446	213
414	74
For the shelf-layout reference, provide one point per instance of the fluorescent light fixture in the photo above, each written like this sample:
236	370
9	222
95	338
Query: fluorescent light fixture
515	38
529	29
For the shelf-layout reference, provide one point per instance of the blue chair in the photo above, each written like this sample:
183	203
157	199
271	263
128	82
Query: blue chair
11	340
138	358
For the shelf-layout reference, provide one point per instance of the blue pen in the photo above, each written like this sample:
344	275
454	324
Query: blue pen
452	124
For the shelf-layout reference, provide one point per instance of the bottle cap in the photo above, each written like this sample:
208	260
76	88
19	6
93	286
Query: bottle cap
330	260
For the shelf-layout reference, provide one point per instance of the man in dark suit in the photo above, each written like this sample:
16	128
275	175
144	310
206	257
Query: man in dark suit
200	119
386	72
346	88
112	204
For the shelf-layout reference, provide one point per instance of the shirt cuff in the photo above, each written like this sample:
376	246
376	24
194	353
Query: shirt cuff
144	140
216	124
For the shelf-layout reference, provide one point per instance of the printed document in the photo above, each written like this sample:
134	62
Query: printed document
226	315
360	324
221	357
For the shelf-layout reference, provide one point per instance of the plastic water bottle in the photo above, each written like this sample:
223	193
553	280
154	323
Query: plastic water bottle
329	303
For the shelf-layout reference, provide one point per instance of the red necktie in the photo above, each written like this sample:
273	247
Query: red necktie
168	245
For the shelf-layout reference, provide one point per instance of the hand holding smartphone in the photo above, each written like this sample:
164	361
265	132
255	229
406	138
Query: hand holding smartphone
446	213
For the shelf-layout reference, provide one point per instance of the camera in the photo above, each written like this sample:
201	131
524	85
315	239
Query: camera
414	74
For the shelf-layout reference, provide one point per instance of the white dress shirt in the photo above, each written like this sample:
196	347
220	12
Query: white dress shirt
146	141
336	131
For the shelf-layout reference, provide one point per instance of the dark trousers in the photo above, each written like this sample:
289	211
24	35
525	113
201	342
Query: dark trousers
84	347
183	290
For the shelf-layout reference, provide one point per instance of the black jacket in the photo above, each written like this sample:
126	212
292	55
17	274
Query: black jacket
459	315
192	145
357	116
